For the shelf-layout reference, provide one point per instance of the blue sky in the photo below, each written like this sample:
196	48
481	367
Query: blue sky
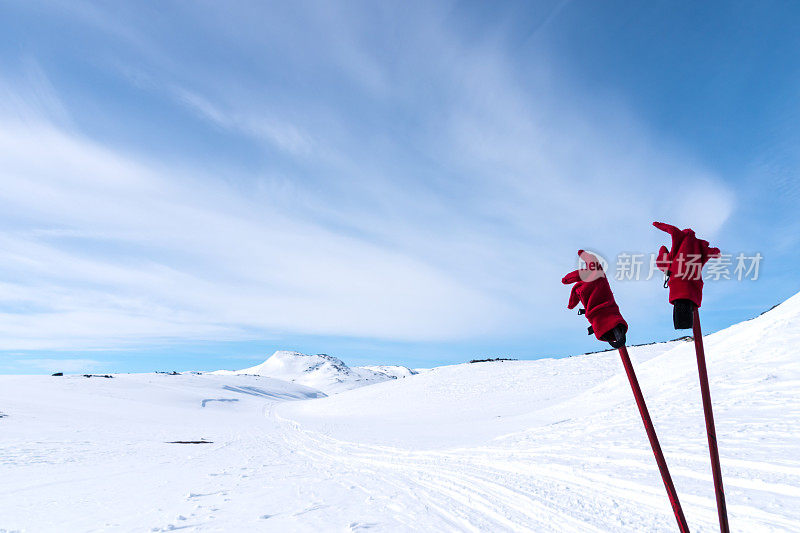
192	185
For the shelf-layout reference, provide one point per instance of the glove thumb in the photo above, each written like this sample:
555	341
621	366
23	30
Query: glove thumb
663	260
574	298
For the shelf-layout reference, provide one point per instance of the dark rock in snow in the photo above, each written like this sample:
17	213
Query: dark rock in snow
58	374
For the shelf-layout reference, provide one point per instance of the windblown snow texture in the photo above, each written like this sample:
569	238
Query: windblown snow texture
546	445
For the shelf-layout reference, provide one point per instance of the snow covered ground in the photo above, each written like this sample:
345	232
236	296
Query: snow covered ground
547	445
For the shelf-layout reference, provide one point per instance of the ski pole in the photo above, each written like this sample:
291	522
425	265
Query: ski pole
686	294
591	288
651	435
711	432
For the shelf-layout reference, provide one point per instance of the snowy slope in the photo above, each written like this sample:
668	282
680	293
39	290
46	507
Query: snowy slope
321	371
463	404
393	371
546	445
569	429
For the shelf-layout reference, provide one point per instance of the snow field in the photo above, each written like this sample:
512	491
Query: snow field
546	445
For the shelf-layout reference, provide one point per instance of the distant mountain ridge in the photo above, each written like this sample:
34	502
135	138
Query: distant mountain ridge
323	372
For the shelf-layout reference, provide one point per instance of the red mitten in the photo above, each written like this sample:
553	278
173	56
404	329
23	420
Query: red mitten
684	263
593	291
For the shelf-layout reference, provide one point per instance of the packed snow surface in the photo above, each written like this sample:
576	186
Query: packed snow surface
546	445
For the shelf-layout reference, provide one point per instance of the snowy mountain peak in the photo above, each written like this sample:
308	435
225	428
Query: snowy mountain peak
298	363
322	371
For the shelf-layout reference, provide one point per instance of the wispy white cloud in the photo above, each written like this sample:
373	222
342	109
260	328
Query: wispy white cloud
284	136
115	252
431	193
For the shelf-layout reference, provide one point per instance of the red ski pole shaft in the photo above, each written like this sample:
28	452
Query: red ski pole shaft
651	435
719	492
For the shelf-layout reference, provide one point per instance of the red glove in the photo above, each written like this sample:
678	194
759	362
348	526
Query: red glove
593	291
684	263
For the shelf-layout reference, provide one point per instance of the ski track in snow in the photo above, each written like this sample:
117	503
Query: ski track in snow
548	445
547	488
